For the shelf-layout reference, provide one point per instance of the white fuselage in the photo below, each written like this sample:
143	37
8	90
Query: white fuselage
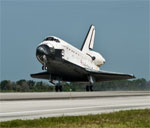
76	56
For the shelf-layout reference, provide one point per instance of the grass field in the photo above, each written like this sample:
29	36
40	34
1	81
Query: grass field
121	119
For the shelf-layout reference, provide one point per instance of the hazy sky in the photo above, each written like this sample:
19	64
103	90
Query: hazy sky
122	33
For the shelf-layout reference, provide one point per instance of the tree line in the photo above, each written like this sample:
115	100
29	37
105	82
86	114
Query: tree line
34	86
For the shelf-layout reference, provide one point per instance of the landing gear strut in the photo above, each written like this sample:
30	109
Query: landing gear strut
45	61
89	87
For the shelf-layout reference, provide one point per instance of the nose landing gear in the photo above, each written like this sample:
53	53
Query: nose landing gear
45	61
44	67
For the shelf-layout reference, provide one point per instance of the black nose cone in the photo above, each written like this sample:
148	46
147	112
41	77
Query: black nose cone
42	50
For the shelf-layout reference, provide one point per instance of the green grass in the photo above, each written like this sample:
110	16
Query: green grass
121	119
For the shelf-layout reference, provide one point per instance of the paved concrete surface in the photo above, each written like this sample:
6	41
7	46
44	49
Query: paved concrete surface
30	109
67	95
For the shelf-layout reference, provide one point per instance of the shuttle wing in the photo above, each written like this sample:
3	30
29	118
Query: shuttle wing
98	76
41	75
108	76
79	74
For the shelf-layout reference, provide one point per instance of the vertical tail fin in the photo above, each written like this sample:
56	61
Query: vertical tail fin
89	40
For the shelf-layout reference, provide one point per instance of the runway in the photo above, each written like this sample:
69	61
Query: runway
67	95
30	109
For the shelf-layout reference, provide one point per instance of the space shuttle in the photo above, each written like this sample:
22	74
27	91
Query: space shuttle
63	62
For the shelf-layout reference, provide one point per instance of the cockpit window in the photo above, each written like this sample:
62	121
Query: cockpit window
52	39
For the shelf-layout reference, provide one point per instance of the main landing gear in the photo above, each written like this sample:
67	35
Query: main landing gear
89	87
58	86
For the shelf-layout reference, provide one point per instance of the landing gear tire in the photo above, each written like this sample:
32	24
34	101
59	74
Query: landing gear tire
58	88
89	88
44	67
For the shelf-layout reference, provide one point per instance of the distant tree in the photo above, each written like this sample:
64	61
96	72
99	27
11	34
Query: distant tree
32	86
5	85
19	82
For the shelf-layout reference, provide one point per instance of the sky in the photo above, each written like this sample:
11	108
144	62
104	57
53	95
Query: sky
122	33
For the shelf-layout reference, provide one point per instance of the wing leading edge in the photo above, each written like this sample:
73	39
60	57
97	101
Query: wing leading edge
108	76
41	75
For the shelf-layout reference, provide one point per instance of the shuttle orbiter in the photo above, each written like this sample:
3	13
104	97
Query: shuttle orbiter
63	62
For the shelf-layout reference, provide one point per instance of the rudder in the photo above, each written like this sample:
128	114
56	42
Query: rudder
89	40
